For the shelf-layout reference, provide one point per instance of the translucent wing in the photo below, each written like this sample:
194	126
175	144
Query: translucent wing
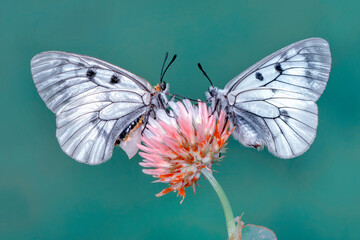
301	67
285	121
94	102
274	100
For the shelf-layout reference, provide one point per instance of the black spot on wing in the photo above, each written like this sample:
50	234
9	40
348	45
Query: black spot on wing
259	76
114	79
90	74
278	67
285	115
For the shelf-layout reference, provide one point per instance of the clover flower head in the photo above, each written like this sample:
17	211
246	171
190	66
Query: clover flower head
181	142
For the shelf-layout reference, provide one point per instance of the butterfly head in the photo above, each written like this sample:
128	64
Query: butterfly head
212	95
162	87
217	98
159	96
212	92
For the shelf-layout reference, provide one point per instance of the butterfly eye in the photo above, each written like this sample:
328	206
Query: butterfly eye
212	91
163	85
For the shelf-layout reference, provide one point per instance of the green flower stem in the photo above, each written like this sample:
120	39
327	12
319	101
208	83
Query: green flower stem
229	216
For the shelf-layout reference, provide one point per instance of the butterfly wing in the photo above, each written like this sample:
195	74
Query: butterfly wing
94	101
274	100
284	121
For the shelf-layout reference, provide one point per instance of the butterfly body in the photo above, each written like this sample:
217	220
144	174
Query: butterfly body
97	104
273	102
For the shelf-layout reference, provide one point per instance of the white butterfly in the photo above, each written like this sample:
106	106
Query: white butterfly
97	104
272	103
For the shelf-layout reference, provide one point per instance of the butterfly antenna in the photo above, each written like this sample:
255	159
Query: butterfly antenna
172	60
202	70
162	68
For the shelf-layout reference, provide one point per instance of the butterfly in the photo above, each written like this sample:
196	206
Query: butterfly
273	103
97	105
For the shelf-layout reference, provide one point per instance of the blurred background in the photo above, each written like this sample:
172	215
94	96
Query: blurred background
44	194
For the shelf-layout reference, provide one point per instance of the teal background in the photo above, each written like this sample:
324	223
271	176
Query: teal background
44	194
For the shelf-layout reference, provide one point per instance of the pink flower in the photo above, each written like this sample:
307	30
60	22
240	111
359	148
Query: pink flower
180	143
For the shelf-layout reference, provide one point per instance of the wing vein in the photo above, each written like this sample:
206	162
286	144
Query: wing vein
64	89
82	139
271	133
92	146
295	132
287	141
91	119
62	80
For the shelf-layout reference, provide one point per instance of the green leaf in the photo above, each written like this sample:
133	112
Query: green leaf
253	232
